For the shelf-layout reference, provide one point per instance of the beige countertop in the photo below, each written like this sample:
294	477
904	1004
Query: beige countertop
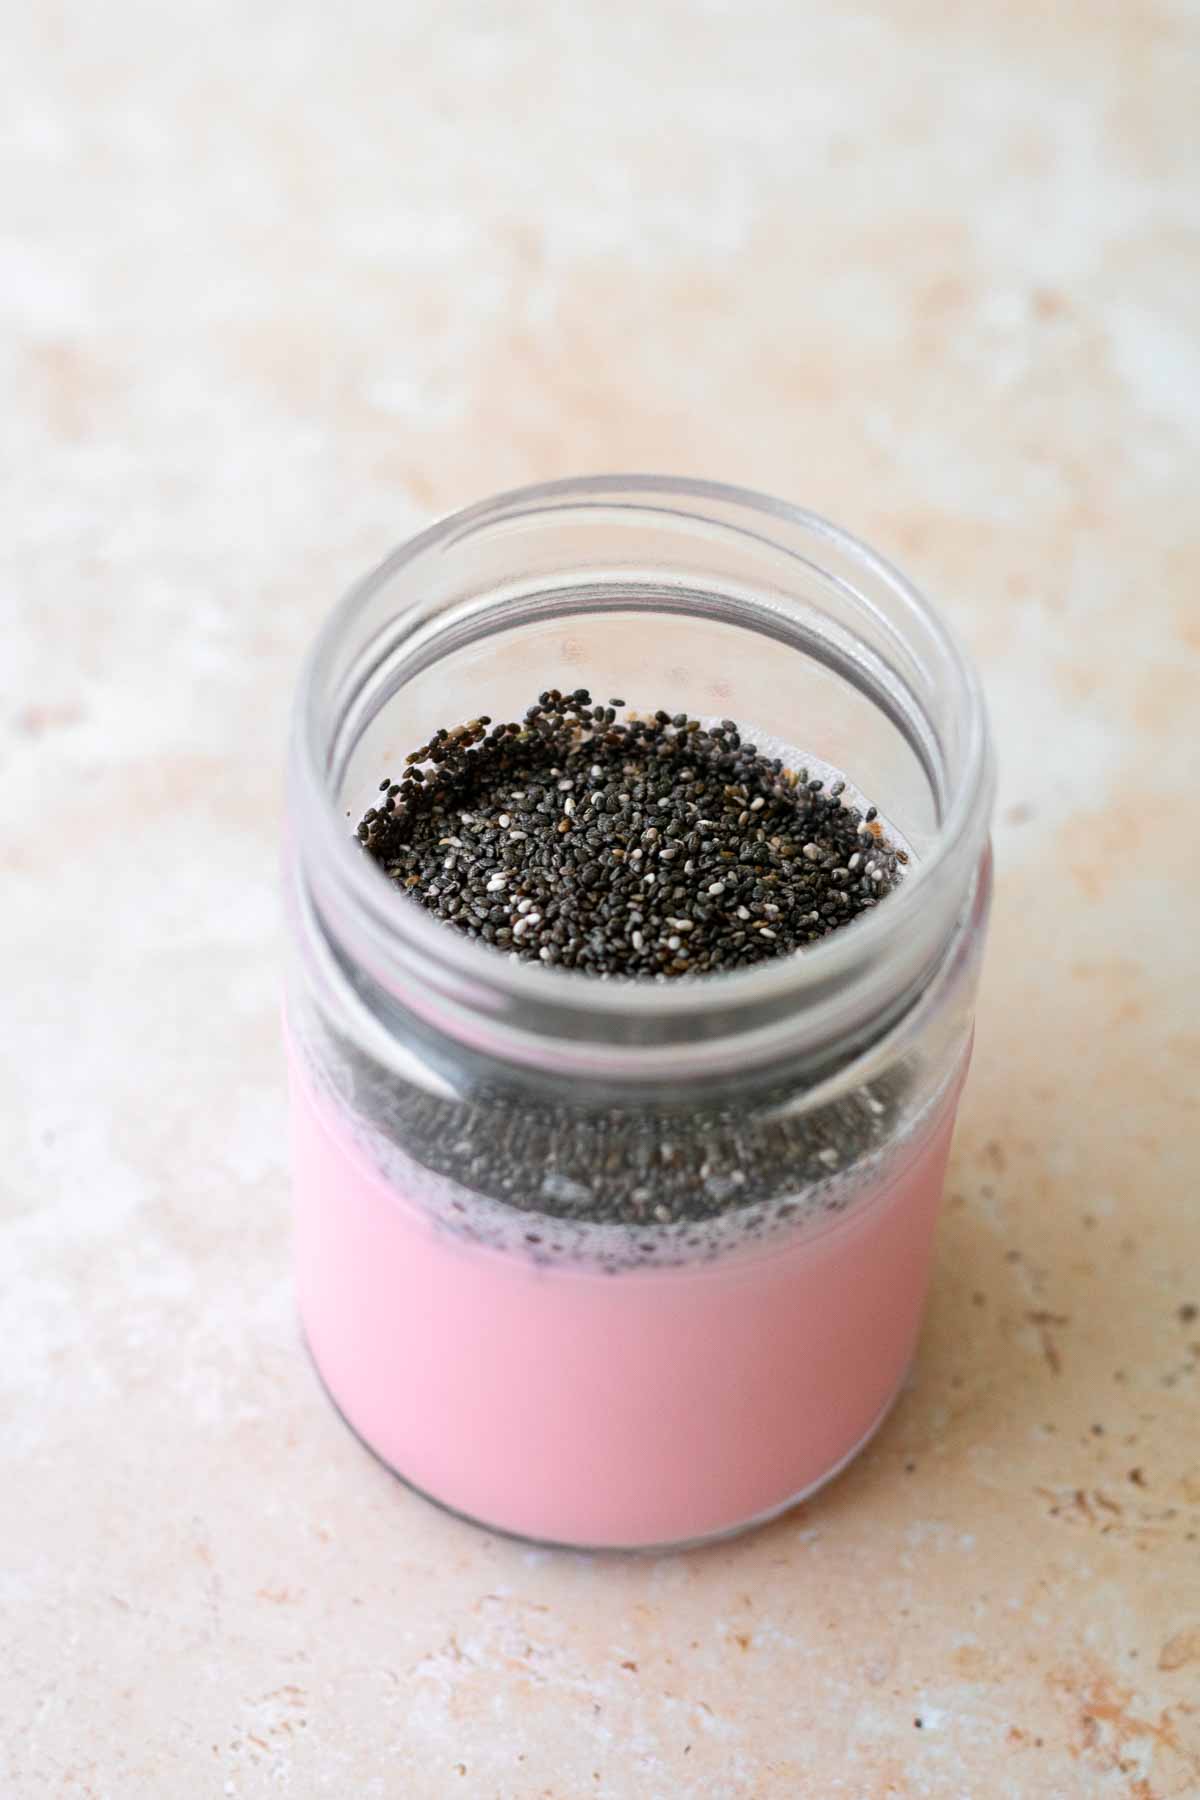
277	283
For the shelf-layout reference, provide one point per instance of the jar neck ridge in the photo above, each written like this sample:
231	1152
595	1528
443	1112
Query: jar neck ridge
596	557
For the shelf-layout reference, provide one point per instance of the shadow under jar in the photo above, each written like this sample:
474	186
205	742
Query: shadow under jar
608	1262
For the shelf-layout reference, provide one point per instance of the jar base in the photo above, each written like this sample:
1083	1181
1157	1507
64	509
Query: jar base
658	1548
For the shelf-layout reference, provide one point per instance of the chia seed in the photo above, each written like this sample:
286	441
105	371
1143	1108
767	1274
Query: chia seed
692	1181
657	848
733	829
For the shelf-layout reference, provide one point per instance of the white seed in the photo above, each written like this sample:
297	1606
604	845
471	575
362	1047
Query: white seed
829	1157
757	805
716	887
765	931
504	820
812	853
637	940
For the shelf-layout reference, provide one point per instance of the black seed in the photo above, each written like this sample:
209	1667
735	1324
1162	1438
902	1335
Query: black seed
561	788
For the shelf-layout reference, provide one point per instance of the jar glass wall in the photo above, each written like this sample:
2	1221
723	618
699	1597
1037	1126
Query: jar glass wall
611	1262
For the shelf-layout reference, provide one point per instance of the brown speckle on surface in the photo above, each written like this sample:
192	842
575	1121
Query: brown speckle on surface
1047	1324
995	1155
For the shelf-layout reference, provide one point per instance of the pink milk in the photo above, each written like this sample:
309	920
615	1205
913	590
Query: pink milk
572	1404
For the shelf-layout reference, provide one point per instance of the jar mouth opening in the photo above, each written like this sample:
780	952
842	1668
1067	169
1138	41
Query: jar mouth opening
415	943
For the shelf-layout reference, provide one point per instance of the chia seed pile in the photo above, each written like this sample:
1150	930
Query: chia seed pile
654	847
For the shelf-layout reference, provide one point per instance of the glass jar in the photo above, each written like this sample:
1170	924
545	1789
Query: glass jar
490	1291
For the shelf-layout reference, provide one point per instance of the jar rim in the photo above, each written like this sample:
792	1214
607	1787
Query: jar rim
409	944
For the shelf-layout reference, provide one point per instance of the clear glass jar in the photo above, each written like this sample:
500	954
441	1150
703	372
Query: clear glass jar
455	1111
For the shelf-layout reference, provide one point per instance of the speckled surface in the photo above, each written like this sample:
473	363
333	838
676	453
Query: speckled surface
276	284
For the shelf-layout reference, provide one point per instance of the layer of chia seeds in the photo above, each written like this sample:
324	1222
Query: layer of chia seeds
650	848
622	1187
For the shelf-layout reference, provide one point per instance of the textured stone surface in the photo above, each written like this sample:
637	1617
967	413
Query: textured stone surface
276	284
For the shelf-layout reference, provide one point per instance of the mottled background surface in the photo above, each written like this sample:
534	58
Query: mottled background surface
278	282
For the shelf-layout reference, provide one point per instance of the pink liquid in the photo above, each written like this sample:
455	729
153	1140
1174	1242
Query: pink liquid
647	1406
